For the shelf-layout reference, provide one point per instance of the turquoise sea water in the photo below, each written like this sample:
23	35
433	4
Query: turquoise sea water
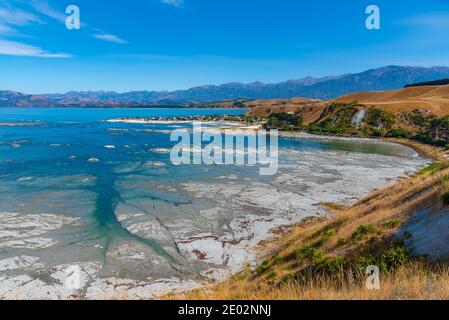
130	198
54	145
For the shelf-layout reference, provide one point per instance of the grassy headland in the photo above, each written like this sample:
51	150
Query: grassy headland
418	113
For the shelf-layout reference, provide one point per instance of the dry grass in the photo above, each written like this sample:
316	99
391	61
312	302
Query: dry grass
381	213
412	282
434	99
310	109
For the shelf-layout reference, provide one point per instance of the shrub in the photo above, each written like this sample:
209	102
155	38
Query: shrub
445	198
238	104
263	267
295	265
288	278
379	118
399	133
284	121
362	231
324	239
392	223
364	261
317	256
313	254
394	257
334	265
418	119
377	133
327	230
436	132
288	244
434	167
295	255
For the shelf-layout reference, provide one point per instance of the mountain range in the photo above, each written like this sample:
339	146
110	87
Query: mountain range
385	78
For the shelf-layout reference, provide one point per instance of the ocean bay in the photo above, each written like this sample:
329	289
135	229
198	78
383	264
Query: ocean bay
77	190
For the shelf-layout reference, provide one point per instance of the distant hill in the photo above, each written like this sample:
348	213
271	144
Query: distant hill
206	93
441	82
386	78
12	99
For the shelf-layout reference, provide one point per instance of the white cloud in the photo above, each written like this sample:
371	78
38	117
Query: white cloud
43	7
176	3
425	30
10	18
436	20
12	48
17	17
109	38
5	29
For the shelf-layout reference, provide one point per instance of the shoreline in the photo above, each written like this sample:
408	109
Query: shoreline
424	150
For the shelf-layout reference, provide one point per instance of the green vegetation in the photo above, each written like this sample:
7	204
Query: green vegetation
312	254
288	278
399	133
337	119
324	239
315	261
238	104
379	119
436	133
263	267
363	231
392	223
284	121
394	257
445	198
433	168
340	118
331	265
295	255
326	233
417	118
272	275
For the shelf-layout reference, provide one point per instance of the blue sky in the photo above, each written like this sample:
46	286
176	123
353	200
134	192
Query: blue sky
177	44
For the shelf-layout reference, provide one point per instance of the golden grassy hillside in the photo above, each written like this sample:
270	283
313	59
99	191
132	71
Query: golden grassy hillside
429	99
310	108
434	99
